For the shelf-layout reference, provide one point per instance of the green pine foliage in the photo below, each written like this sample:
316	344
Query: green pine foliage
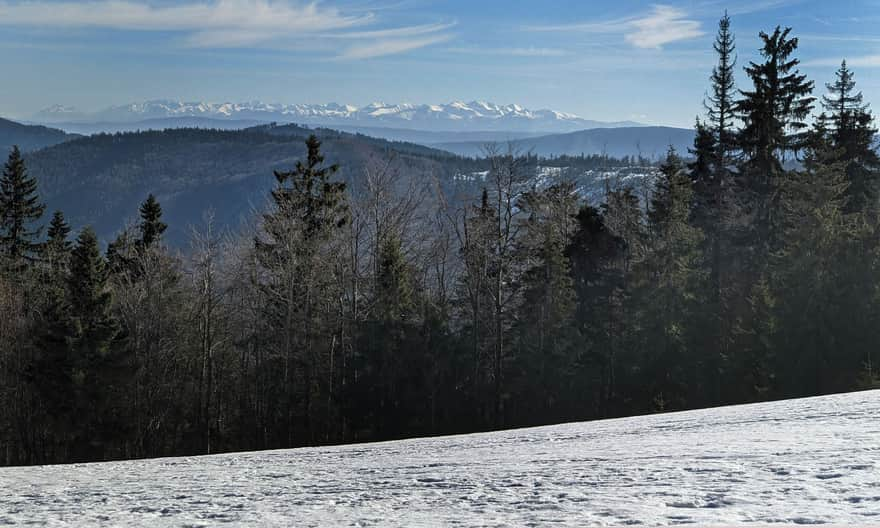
595	254
20	208
775	109
809	279
848	125
100	372
669	292
151	226
294	249
547	339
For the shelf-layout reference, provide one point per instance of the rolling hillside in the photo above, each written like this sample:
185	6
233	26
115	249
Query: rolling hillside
29	137
101	179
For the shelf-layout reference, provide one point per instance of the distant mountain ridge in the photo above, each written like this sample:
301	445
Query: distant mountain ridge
647	141
162	123
450	117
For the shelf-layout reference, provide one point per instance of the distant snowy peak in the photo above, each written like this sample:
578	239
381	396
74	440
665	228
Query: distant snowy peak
58	113
454	116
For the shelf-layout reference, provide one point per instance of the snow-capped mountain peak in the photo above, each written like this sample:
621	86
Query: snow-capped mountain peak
454	116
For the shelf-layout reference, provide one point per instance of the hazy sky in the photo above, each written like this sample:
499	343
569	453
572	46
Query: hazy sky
600	59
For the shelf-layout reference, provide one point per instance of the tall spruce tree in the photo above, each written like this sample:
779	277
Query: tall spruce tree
702	165
58	245
98	370
309	210
51	367
668	293
714	147
849	125
594	253
773	114
20	208
623	215
775	109
390	350
151	226
819	345
546	338
721	103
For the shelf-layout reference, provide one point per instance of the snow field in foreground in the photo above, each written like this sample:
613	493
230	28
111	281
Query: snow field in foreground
807	461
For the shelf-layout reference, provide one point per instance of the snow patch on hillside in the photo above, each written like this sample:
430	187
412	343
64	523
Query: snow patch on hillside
803	461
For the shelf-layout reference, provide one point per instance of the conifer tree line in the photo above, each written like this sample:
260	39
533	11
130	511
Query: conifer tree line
384	309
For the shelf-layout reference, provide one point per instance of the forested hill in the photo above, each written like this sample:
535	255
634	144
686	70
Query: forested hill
29	137
101	179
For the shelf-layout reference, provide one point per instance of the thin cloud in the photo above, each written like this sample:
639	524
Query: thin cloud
268	24
838	38
662	25
864	61
411	31
608	26
390	47
240	15
743	7
512	52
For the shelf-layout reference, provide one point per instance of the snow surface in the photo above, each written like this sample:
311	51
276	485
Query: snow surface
794	462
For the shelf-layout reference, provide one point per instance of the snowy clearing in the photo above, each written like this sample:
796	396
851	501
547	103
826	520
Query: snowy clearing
794	462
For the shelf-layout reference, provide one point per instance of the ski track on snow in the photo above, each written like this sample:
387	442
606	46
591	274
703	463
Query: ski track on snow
806	461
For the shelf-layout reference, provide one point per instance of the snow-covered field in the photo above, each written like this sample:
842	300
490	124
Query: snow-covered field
795	462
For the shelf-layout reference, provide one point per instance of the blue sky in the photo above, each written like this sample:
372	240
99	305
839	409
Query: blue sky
600	59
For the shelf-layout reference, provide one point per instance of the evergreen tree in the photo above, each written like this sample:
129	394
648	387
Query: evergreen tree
668	293
702	166
121	253
774	110
58	246
817	349
309	209
20	207
721	104
773	114
151	226
390	352
663	199
52	371
714	147
395	301
595	252
623	215
545	354
848	125
98	371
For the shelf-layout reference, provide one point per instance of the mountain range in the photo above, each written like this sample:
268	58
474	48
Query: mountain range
646	141
475	116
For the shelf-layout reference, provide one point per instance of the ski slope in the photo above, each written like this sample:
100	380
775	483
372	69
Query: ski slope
794	462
